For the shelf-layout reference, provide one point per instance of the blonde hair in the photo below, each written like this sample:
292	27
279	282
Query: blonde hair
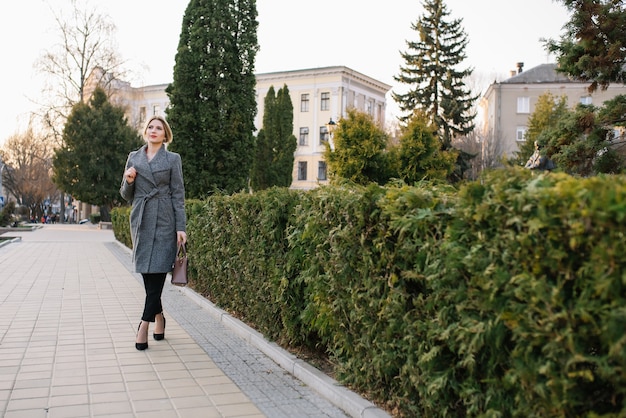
166	127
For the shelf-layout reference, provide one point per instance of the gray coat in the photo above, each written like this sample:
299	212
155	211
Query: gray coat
158	208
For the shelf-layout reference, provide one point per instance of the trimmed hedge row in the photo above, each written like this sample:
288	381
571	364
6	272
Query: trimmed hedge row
504	298
120	220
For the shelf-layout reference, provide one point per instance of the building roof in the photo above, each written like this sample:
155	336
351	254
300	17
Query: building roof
308	72
543	73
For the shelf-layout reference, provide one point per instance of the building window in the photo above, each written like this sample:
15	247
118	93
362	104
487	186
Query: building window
304	136
304	103
321	170
523	105
323	134
520	134
142	114
325	102
585	100
369	108
301	170
156	110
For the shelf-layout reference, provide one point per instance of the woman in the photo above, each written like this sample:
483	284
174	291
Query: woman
153	181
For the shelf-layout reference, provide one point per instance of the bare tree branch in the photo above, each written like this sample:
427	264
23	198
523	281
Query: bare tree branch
85	44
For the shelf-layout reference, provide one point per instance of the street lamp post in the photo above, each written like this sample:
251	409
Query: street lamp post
330	128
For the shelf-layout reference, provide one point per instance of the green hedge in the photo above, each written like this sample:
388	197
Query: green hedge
237	248
120	220
95	218
504	298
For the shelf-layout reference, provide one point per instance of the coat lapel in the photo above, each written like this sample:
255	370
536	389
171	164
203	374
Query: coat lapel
142	166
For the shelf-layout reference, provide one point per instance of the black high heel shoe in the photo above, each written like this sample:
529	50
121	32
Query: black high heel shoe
160	337
140	346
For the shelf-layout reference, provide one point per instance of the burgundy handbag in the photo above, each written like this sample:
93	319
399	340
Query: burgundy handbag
179	270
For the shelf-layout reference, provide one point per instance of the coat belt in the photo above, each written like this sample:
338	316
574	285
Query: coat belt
142	203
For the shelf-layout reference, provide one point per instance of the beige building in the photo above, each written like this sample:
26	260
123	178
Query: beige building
318	95
507	105
321	97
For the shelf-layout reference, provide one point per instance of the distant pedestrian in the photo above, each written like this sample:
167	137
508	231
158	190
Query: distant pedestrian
153	182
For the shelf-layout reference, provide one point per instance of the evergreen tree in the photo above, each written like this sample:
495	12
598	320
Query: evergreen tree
276	144
592	48
260	174
96	143
437	86
437	83
359	150
579	145
212	97
419	155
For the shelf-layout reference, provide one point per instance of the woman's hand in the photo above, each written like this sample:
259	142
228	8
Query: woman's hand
130	175
181	237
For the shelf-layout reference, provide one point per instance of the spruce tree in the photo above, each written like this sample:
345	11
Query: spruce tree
276	144
96	143
212	96
592	49
431	71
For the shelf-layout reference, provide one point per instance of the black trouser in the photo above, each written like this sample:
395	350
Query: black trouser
153	282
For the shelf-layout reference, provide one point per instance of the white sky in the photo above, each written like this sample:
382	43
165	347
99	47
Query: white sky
293	34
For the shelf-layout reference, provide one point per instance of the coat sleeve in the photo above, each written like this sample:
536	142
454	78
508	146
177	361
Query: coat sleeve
127	190
177	188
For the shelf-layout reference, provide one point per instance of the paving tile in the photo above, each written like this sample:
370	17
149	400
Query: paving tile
143	395
163	405
108	397
192	402
70	411
112	408
42	392
68	390
30	413
30	403
203	412
240	410
66	400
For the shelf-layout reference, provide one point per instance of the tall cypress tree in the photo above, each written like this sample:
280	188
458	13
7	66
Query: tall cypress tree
285	142
437	86
276	144
260	173
212	97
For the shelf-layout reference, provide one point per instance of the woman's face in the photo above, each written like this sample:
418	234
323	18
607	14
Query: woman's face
155	132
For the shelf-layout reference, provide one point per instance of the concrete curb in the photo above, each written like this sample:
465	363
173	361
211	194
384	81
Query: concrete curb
351	403
9	241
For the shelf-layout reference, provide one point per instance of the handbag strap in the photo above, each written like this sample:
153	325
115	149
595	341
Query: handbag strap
182	247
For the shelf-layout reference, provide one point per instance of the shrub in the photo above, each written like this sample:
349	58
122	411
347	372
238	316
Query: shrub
6	215
120	220
95	218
